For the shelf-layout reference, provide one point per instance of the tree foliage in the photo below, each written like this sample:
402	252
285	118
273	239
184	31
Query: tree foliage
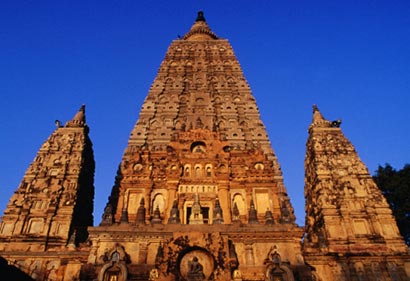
395	186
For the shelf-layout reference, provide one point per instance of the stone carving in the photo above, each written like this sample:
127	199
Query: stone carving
156	219
195	271
218	216
196	215
338	185
269	217
124	216
275	270
107	217
253	218
174	216
141	212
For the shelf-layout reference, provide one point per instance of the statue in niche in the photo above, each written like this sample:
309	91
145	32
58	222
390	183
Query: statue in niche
196	216
195	272
273	261
115	257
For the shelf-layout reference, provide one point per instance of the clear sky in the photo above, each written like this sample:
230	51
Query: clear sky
351	58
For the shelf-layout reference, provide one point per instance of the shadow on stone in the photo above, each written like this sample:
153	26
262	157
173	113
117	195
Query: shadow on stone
12	273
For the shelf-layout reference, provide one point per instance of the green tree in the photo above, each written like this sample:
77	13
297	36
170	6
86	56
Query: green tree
395	186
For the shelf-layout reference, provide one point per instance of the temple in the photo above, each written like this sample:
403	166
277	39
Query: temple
199	193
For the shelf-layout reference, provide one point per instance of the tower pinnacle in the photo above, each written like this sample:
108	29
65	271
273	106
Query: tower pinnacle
200	16
318	121
78	119
200	30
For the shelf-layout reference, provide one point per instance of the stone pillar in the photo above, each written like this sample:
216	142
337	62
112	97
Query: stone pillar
92	258
170	201
225	204
148	204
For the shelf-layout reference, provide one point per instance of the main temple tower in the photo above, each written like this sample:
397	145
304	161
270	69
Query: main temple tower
199	179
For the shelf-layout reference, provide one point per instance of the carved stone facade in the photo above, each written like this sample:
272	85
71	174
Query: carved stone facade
51	209
350	231
199	193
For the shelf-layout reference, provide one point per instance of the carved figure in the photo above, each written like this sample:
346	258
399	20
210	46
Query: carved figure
195	272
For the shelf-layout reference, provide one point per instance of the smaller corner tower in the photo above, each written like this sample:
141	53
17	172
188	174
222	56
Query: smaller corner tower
54	201
347	216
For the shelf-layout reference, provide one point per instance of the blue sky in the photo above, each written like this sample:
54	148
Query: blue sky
351	58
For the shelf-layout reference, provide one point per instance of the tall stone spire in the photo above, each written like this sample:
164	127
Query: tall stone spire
55	197
200	130
346	213
200	158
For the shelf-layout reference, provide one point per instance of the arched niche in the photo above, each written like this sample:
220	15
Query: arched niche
275	270
158	201
114	269
198	170
208	170
187	170
198	146
240	203
196	264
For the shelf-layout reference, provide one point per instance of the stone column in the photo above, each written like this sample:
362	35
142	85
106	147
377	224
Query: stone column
172	191
225	201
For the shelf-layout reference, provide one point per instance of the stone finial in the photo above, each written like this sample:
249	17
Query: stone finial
196	216
200	16
253	217
141	212
107	217
78	119
218	216
235	213
318	121
71	242
317	116
174	216
156	219
285	213
124	216
200	30
269	217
